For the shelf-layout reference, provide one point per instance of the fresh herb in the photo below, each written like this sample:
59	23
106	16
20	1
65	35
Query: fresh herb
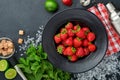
37	67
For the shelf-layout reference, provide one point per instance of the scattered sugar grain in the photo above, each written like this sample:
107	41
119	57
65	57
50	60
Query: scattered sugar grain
108	66
34	40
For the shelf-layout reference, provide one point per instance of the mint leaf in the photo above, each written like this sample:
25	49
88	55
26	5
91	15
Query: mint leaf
21	66
34	65
22	61
44	55
39	49
37	58
31	50
37	67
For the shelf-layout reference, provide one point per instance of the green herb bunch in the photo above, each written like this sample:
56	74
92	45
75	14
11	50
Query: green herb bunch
37	67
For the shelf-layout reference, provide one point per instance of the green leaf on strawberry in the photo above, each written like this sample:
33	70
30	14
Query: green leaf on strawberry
77	28
73	49
60	49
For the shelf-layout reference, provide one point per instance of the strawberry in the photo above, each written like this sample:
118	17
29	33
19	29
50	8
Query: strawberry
69	26
60	49
91	36
81	34
65	52
92	47
86	50
71	32
68	42
76	28
57	38
67	2
85	42
73	58
86	29
77	42
80	52
69	51
63	34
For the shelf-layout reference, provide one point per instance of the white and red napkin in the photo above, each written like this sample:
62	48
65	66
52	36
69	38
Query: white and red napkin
113	38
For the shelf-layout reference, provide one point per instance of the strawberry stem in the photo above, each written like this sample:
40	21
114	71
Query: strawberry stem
73	50
60	49
64	31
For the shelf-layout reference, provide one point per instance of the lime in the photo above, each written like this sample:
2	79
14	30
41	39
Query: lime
51	5
3	65
10	73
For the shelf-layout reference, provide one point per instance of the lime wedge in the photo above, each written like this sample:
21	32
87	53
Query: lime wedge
3	65
10	73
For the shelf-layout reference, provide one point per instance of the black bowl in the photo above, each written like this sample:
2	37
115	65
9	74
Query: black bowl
83	16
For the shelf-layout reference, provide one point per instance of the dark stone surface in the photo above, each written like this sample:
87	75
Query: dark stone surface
29	15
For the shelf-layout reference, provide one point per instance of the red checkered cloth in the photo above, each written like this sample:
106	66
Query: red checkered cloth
113	38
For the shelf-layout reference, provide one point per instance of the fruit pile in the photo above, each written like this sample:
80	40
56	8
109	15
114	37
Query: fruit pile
75	41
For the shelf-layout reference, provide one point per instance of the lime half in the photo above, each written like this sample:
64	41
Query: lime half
3	65
10	73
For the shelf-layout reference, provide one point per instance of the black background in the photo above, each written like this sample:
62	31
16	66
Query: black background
29	15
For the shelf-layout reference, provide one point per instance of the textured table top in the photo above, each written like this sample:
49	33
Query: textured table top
30	15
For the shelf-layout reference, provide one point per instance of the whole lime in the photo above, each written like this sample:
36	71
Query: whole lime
51	5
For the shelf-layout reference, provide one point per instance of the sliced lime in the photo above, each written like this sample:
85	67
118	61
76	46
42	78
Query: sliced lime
3	65
10	73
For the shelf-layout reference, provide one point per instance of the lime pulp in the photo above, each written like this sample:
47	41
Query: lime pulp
10	73
3	65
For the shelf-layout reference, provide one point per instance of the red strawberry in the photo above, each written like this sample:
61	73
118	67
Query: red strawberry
69	51
91	36
92	47
57	38
69	26
65	52
71	32
73	58
86	50
85	42
67	2
68	42
81	34
77	42
60	48
86	29
63	34
80	52
77	28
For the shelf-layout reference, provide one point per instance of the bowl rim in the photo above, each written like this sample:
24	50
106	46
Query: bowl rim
102	28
